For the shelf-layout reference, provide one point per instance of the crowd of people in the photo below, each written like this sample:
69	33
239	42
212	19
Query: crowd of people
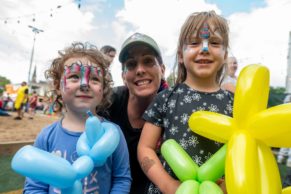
147	110
26	101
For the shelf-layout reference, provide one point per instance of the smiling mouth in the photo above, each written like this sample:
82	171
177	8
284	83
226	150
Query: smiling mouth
83	96
202	61
143	82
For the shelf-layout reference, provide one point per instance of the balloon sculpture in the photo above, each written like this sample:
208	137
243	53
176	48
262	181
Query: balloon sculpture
250	165
197	180
94	146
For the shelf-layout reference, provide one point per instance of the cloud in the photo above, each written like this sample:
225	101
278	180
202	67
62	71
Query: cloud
258	36
161	20
67	24
261	36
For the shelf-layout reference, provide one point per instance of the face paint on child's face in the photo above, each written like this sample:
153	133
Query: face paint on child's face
204	35
82	74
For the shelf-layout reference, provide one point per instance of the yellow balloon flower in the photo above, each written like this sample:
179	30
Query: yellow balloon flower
250	166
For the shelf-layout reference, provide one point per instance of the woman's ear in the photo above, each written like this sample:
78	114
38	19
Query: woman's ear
123	77
163	70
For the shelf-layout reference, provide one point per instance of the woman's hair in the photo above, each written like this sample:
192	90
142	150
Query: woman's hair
194	23
78	49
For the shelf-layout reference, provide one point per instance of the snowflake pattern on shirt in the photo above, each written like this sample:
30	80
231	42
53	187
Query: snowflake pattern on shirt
171	110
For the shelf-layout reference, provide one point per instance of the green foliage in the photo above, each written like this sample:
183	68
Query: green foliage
4	81
171	79
276	96
277	90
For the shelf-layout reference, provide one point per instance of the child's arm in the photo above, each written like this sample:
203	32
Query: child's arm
150	162
121	179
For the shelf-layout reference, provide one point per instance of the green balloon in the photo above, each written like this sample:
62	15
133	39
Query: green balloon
188	187
180	162
214	167
209	187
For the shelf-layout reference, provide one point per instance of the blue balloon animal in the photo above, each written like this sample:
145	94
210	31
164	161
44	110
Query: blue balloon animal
94	146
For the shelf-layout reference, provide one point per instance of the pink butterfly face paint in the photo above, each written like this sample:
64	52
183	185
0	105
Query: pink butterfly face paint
204	35
84	75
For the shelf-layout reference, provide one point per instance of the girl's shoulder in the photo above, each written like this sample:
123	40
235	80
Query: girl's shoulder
109	123
228	94
177	88
46	134
50	130
166	93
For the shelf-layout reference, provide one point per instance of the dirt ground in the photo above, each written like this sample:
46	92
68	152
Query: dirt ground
25	130
13	135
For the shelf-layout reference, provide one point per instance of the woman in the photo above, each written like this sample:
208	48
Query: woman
142	73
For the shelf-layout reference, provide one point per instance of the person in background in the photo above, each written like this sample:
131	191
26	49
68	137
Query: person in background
229	82
2	110
32	104
6	100
80	92
1	103
110	53
201	53
142	72
21	100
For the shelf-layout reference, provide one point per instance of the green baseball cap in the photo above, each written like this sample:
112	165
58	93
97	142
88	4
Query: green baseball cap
138	38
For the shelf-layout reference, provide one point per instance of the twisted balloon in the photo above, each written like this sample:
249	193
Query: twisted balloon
250	164
94	146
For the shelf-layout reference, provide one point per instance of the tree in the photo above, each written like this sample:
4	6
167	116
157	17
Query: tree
171	79
277	95
4	81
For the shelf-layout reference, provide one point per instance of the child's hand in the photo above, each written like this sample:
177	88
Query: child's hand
221	184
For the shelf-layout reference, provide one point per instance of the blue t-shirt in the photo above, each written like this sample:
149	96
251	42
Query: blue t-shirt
113	177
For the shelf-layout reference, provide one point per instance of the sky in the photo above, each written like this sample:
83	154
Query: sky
259	30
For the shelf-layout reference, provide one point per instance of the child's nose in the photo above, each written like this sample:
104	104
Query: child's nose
204	47
84	87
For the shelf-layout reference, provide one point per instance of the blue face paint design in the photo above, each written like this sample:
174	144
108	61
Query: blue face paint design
204	35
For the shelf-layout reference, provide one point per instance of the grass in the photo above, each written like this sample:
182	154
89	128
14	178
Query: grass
9	180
